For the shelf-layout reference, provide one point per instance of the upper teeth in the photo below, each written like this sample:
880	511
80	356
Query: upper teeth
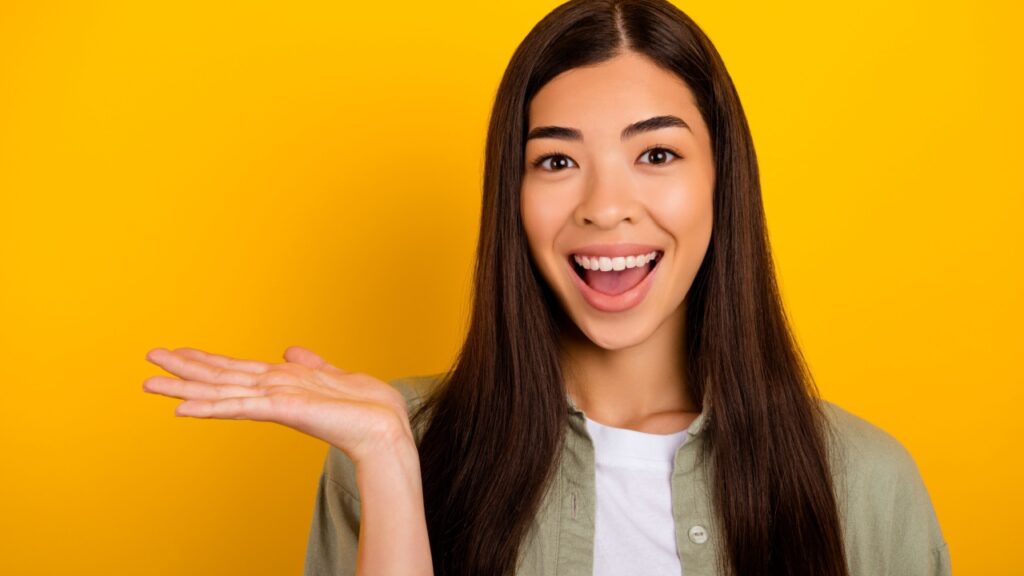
605	263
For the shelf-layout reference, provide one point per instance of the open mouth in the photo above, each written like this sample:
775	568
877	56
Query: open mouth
613	276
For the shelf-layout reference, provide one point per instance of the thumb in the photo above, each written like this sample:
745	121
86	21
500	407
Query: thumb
309	359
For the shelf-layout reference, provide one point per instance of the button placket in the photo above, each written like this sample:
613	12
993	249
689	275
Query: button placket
575	548
694	524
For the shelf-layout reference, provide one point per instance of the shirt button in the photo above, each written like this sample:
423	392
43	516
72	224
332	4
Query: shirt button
698	535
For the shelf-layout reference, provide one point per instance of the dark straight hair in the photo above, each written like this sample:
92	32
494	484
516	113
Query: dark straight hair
495	425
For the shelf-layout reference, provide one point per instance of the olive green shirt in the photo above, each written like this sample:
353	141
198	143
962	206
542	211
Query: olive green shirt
889	524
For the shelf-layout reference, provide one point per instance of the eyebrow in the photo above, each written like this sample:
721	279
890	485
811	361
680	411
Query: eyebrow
654	123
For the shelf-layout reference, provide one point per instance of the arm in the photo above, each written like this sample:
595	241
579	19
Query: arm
364	513
393	534
373	457
335	537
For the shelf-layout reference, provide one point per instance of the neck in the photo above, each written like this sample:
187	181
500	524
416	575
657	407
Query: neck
641	386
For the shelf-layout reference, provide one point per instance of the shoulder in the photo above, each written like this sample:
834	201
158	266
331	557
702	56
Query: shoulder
862	445
889	518
339	468
865	458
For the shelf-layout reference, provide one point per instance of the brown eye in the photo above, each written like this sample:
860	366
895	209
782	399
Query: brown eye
558	162
659	155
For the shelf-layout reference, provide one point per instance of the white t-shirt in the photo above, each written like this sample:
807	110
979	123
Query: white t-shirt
635	531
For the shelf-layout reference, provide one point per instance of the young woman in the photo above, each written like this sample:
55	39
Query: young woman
629	398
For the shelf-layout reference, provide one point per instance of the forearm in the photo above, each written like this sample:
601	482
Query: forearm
393	528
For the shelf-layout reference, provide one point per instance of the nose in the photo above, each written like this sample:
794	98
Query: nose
609	197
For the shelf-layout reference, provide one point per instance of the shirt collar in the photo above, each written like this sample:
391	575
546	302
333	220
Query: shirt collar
693	429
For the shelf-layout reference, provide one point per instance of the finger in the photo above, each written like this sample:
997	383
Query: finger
192	390
254	366
310	359
244	408
190	369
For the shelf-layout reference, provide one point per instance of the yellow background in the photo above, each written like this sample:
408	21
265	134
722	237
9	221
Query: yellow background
244	176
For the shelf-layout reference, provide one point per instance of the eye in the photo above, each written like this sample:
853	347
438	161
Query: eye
662	155
559	159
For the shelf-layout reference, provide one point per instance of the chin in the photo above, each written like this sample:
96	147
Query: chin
614	334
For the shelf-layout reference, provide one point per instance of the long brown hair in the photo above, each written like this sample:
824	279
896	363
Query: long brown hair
498	418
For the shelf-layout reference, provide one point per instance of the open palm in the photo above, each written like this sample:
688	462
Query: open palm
355	412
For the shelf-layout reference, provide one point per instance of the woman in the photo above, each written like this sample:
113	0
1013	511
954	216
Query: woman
626	331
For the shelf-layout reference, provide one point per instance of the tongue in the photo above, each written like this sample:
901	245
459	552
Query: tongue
615	282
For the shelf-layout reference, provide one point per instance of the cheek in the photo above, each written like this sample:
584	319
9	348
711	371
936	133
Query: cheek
684	207
543	216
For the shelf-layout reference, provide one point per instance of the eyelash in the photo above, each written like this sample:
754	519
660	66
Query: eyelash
536	163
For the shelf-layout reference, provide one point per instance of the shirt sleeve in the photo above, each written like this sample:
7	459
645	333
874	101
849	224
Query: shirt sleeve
890	525
334	533
918	545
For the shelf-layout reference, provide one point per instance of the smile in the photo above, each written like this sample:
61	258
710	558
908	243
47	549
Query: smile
614	283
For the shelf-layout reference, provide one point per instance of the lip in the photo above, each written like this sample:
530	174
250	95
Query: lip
619	302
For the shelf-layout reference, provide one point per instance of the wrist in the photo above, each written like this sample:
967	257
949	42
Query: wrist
384	439
396	456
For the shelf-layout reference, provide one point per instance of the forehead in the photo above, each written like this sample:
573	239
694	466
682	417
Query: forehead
612	94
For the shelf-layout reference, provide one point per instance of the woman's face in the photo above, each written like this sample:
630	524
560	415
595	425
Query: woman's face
602	190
